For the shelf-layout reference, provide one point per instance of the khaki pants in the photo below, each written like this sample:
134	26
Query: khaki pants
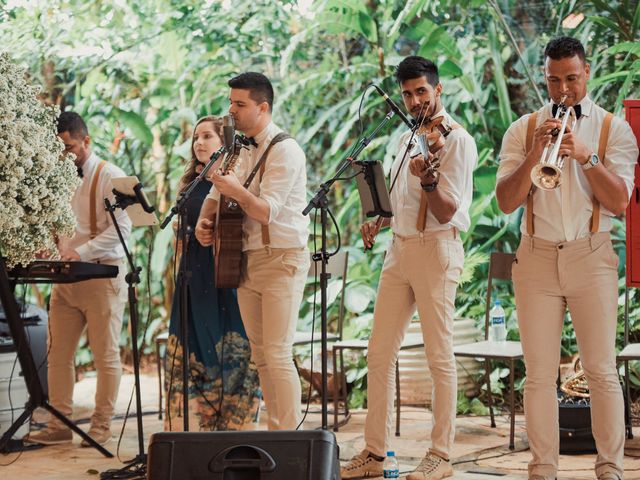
96	305
583	276
420	272
269	297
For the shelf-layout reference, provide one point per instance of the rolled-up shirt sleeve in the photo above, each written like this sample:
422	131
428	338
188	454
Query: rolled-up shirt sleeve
512	152
107	242
281	172
622	153
455	172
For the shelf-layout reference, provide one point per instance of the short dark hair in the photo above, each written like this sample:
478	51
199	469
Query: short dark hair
564	47
259	86
73	123
416	67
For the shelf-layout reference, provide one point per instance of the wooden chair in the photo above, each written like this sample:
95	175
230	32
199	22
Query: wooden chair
499	269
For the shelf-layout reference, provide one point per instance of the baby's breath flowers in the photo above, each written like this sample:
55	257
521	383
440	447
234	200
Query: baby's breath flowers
36	181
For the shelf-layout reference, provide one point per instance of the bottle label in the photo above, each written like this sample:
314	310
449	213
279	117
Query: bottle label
391	473
497	320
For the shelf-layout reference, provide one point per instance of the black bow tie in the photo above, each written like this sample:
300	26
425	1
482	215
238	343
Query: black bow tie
80	174
576	108
248	141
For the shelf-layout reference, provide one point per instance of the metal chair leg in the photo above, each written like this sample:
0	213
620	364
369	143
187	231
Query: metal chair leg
336	391
341	393
159	365
344	387
512	407
397	397
627	389
487	367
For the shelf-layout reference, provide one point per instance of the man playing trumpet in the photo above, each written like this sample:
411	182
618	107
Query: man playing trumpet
421	270
565	258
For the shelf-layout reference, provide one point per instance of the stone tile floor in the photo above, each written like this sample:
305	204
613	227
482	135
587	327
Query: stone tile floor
480	452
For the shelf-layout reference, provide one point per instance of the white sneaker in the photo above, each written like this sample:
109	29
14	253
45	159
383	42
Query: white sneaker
362	466
100	434
432	467
49	436
609	476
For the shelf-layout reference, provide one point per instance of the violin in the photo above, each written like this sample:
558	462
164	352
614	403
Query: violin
430	136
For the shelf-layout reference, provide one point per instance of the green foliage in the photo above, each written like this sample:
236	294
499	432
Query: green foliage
466	405
150	68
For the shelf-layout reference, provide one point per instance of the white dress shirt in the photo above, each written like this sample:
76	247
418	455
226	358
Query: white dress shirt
564	214
106	245
458	159
283	187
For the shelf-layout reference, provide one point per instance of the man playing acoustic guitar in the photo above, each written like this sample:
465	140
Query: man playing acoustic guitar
274	238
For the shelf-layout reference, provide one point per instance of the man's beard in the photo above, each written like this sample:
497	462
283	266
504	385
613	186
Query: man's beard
423	114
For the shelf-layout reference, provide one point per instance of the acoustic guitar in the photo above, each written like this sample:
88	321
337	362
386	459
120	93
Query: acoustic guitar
228	233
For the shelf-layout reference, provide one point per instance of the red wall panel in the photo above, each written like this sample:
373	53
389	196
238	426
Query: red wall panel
632	111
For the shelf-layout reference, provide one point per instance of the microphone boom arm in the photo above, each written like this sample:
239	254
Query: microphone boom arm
320	197
184	196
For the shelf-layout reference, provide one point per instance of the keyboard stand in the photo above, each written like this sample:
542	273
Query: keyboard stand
37	397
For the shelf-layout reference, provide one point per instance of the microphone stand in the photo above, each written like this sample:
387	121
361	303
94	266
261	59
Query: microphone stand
184	276
138	465
320	201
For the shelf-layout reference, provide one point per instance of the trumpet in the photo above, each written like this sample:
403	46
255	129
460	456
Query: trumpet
547	174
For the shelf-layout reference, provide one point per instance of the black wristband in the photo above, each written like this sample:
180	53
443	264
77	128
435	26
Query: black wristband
429	187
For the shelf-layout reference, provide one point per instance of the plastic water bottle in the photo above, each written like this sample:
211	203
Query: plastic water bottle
497	325
390	467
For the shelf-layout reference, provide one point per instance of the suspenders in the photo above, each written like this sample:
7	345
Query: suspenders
261	166
93	222
602	147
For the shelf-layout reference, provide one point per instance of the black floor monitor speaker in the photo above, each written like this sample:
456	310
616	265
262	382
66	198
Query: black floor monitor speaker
36	325
247	455
575	429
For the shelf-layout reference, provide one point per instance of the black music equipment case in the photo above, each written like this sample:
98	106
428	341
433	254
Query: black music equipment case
244	455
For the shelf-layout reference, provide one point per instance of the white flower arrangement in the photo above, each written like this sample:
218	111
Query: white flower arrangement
36	181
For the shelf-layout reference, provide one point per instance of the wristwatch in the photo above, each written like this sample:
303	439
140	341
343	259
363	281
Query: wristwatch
592	162
429	187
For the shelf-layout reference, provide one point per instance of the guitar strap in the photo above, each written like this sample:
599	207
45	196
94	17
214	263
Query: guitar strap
260	166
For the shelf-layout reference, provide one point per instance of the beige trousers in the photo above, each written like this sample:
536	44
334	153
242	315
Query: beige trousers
269	297
420	272
581	275
96	305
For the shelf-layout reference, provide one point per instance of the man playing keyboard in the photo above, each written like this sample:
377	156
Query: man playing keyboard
96	304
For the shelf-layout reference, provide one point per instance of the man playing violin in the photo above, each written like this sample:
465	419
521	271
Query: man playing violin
565	258
430	200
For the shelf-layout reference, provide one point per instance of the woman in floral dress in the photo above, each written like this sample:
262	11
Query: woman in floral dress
224	391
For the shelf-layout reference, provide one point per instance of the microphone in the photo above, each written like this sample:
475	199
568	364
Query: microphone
228	132
394	107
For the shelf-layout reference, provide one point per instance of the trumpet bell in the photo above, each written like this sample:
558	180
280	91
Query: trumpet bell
546	177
